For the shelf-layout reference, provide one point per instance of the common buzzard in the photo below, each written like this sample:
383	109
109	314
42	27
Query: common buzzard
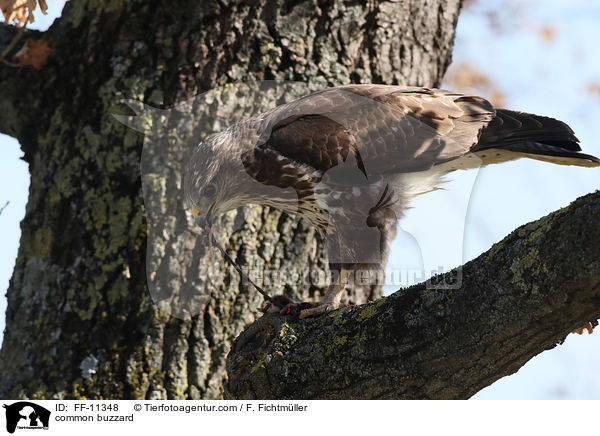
356	155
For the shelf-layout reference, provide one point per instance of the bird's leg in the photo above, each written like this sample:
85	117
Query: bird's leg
332	297
284	306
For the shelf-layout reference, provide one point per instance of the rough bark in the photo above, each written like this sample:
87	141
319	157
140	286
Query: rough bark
518	299
80	320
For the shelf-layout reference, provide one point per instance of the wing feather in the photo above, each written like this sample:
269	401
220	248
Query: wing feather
394	129
387	128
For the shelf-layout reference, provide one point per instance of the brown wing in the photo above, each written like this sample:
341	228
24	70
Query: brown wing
387	128
392	129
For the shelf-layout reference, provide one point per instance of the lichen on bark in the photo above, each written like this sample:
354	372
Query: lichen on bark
518	299
84	236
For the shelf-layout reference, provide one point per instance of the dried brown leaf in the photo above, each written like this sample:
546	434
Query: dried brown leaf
467	79
588	327
20	12
33	53
495	22
466	4
547	33
594	88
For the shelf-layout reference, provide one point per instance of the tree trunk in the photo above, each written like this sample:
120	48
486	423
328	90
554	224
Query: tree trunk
81	319
520	298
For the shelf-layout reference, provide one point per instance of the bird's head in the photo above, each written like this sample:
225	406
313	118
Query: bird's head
216	179
210	184
205	203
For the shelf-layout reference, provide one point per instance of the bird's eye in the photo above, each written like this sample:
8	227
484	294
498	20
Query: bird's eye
209	191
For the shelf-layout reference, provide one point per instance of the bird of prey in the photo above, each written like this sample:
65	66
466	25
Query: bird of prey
354	156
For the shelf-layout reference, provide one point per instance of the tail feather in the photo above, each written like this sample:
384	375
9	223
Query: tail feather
533	136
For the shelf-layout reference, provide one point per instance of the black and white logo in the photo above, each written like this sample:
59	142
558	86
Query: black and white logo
26	415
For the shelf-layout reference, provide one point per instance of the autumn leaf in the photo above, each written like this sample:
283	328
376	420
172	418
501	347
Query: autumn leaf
547	33
594	88
466	4
34	53
467	79
20	12
588	327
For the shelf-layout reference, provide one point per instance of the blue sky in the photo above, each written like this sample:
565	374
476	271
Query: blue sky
545	76
14	182
503	40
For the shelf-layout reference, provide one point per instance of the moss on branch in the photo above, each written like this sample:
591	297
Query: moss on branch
518	299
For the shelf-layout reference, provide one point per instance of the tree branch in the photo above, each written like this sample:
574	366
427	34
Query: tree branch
17	95
518	299
6	50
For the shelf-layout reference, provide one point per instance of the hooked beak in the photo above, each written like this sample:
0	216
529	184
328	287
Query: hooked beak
202	219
